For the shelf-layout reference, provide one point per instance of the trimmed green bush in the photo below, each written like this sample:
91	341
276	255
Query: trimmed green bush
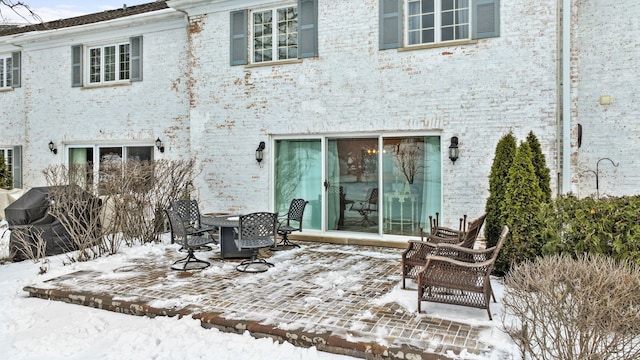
540	167
498	179
521	210
609	226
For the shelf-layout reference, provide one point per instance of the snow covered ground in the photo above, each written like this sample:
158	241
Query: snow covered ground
36	329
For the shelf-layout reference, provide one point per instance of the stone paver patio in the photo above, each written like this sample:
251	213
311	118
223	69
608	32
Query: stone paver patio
324	295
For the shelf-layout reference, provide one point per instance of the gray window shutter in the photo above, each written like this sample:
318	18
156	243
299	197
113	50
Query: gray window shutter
486	19
390	24
76	66
239	44
136	58
15	64
16	172
307	28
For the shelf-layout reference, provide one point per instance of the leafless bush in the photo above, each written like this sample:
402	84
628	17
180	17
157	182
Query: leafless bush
77	210
150	187
132	197
563	308
29	244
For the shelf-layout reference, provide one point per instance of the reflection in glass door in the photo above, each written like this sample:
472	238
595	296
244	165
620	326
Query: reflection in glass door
298	175
351	184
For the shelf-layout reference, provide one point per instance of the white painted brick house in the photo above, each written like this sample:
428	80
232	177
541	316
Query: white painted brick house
343	94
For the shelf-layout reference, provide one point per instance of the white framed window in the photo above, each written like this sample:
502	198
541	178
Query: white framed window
274	34
5	71
109	63
411	23
436	21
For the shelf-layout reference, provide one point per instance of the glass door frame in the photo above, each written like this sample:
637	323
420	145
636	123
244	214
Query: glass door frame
380	140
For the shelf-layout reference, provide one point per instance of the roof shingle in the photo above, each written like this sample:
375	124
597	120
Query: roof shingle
85	19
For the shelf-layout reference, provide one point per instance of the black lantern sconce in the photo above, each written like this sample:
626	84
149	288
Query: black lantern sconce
52	147
259	152
160	145
453	149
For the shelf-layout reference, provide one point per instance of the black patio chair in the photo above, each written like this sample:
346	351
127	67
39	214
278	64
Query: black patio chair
290	222
189	211
367	206
189	242
256	231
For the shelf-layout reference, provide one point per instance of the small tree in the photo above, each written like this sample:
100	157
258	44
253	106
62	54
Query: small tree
6	180
540	167
498	179
522	212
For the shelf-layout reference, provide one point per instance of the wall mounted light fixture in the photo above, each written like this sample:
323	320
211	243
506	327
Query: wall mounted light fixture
453	149
160	145
259	150
52	147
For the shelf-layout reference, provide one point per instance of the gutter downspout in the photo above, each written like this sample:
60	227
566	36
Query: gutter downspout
566	97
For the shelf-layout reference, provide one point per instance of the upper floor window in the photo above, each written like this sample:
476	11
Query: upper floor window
432	21
10	70
281	33
106	64
436	21
109	63
279	26
5	72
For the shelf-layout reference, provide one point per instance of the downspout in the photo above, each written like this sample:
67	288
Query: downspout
566	97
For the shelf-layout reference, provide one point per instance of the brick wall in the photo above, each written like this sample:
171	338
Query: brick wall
477	92
605	46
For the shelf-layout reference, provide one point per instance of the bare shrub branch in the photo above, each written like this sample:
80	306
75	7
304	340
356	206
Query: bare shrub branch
28	243
563	308
77	210
150	188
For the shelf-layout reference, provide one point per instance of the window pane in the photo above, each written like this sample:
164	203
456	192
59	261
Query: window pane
414	7
427	36
287	30
124	61
447	18
109	63
447	5
140	153
2	67
447	34
428	6
462	32
411	183
94	65
81	167
8	72
428	21
298	173
414	37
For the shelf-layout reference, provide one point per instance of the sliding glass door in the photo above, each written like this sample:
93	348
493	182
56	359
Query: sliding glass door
352	184
375	184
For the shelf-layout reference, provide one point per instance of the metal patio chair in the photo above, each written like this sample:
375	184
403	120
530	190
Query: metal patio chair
290	222
256	231
189	211
188	242
367	206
